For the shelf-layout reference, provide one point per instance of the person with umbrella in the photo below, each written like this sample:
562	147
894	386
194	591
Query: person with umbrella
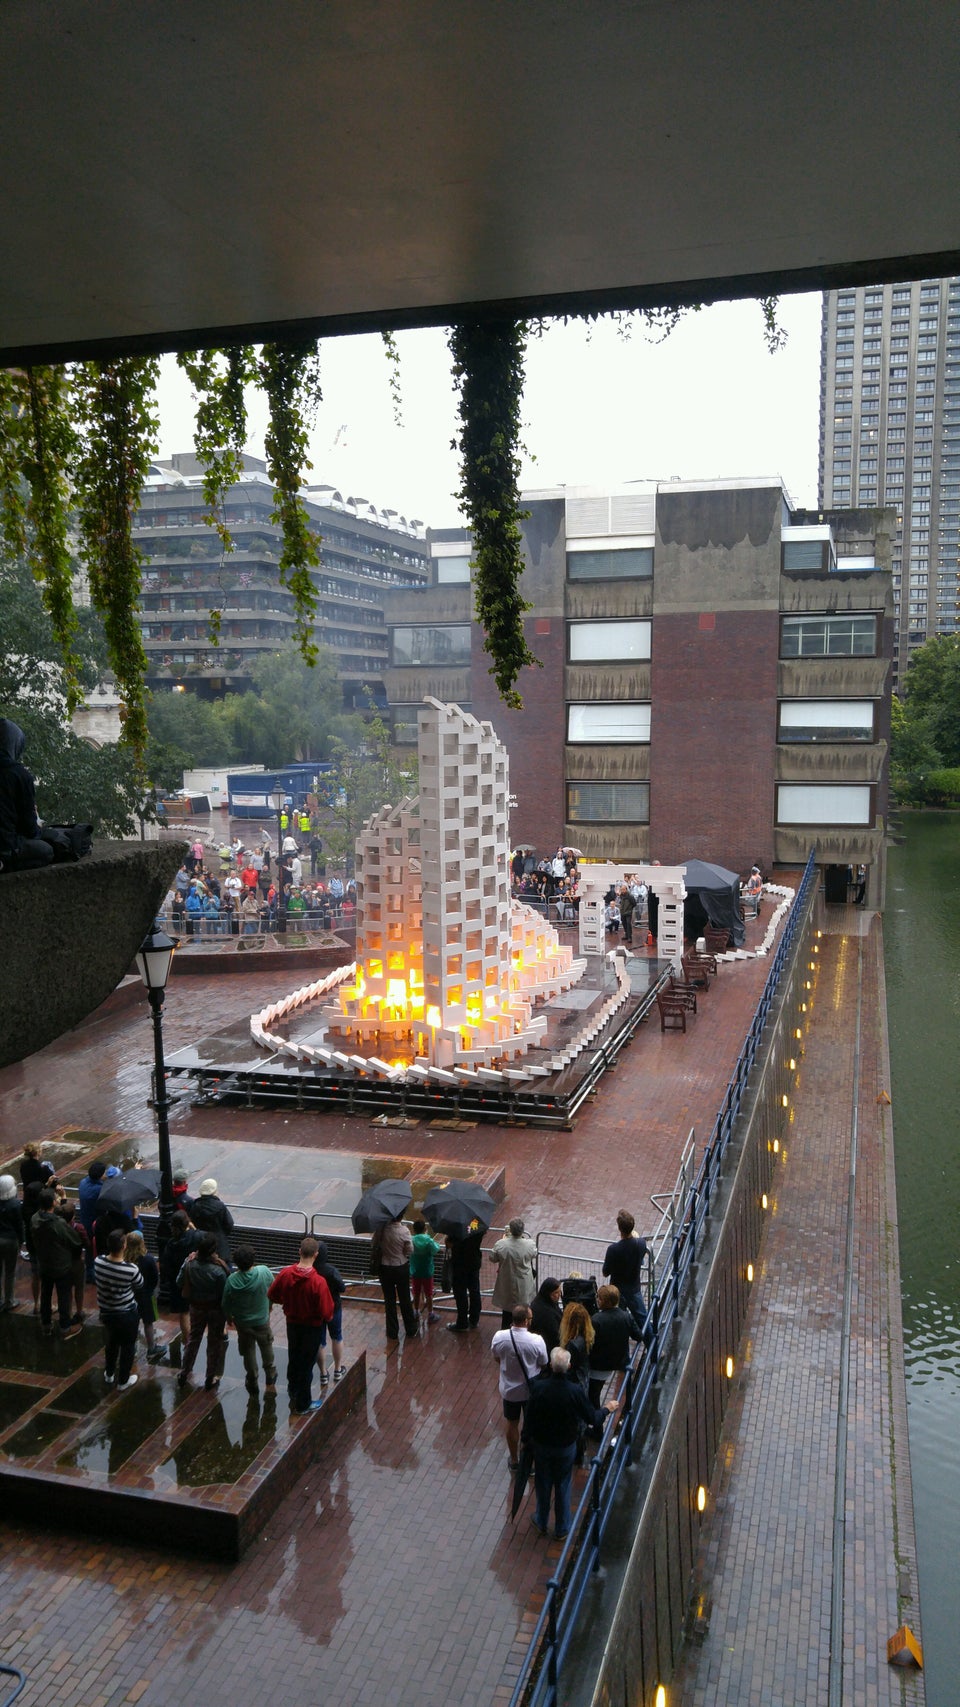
380	1212
392	1245
463	1211
557	1410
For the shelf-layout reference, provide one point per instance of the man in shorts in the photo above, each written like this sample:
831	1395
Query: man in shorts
521	1356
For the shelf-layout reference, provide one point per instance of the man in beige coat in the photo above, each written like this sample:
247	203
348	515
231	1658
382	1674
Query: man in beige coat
515	1256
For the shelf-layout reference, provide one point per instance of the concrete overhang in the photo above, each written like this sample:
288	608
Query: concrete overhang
178	172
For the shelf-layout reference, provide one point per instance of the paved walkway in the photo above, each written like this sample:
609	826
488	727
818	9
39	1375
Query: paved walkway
391	1573
808	1564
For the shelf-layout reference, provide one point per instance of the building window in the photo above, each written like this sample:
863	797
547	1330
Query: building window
405	727
826	720
447	645
608	803
602	642
828	637
616	565
823	804
451	569
610	721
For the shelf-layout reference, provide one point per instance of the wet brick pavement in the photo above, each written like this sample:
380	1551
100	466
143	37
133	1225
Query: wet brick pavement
391	1573
766	1570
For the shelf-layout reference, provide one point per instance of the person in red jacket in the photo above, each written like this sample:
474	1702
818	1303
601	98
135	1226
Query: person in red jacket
308	1306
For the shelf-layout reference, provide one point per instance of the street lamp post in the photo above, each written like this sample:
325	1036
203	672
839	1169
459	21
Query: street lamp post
278	801
153	964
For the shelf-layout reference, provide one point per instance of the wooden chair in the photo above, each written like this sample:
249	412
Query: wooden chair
684	992
697	969
717	939
673	1010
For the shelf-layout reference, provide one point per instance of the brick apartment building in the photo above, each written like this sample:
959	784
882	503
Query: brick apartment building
364	552
715	680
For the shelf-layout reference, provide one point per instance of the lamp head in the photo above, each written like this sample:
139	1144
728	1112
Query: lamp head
154	958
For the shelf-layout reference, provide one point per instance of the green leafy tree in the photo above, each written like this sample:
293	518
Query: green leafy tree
186	731
932	694
75	781
368	773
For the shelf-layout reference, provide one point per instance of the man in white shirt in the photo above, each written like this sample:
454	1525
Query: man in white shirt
521	1356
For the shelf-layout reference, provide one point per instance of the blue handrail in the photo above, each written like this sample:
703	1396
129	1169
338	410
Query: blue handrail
11	1671
540	1672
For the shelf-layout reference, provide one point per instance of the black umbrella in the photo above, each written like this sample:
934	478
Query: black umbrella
125	1191
380	1205
450	1208
522	1476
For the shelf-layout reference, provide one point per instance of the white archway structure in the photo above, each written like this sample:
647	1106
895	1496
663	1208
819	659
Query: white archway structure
667	880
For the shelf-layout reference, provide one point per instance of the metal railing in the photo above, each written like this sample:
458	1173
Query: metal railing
11	1671
688	1213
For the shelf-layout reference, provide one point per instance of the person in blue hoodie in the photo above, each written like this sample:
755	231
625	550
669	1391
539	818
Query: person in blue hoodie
22	847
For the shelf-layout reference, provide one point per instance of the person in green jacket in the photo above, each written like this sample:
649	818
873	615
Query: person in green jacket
246	1305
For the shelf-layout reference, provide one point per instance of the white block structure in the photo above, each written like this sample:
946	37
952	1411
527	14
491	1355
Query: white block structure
448	968
666	880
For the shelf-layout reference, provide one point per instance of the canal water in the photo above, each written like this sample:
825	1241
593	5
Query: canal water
921	930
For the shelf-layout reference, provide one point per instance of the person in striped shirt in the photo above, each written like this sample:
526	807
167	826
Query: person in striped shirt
119	1284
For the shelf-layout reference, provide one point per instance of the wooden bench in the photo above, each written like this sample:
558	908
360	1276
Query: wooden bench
717	939
673	1009
697	969
684	992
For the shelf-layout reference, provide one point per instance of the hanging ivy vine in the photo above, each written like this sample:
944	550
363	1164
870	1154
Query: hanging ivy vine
290	376
393	376
219	379
118	432
488	369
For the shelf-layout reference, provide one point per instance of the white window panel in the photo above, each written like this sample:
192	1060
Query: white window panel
823	804
826	720
601	642
609	721
451	569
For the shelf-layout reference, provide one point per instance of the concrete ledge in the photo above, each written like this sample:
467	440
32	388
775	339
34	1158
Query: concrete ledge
69	936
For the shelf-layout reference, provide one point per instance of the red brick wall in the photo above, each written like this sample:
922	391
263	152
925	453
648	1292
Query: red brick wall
713	737
535	736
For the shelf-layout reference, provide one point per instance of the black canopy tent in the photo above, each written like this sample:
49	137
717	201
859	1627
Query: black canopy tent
713	895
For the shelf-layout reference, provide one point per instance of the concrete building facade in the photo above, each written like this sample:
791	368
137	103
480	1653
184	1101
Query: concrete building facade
890	434
715	677
364	553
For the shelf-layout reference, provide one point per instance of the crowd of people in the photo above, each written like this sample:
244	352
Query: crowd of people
555	883
242	896
559	1344
71	1244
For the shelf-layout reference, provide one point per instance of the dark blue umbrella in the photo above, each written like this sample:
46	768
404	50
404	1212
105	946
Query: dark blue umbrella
450	1208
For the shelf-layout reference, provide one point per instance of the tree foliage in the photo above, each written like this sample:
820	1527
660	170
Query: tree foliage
367	773
75	781
925	728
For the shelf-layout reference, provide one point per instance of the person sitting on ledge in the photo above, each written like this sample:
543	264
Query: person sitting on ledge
22	844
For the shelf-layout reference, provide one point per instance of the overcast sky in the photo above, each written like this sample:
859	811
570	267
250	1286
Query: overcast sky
599	409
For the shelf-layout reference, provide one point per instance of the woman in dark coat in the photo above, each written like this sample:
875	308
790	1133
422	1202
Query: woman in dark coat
547	1312
613	1329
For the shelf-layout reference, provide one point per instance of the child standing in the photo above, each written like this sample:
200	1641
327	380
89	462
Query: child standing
422	1263
136	1251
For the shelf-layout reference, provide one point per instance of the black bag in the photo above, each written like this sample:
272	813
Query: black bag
69	842
581	1289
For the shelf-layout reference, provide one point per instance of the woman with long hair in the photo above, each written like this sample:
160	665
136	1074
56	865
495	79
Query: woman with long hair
577	1337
